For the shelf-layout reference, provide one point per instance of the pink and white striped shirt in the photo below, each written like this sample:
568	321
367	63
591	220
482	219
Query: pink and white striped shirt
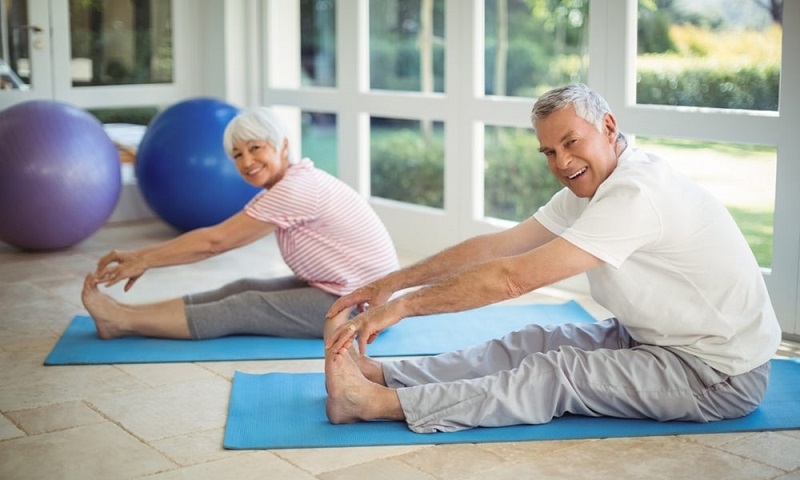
327	233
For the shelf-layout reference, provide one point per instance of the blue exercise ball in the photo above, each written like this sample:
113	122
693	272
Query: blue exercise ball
182	169
59	175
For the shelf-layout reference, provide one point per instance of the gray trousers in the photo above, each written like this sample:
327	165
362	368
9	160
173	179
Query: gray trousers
538	373
283	307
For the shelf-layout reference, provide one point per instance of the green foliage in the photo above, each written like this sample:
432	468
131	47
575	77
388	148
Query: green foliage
653	32
756	225
752	88
394	65
406	168
135	115
517	180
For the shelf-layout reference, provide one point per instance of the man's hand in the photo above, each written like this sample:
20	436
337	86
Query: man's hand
371	295
365	327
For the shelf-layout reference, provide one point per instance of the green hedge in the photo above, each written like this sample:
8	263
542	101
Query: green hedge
407	169
750	88
517	178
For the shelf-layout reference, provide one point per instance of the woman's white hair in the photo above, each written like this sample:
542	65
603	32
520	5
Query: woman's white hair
257	124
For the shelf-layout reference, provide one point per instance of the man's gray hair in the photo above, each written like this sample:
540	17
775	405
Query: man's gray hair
587	103
257	124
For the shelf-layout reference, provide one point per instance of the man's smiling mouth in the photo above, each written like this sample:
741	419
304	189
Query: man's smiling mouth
577	174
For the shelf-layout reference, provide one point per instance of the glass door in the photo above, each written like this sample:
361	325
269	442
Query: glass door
25	51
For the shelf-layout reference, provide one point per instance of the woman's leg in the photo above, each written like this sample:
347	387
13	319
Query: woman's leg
113	319
294	312
245	285
294	309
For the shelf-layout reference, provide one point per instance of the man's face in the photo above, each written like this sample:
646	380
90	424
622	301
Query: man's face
579	156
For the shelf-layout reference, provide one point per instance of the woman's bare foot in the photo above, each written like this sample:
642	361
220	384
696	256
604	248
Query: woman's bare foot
352	397
369	367
103	310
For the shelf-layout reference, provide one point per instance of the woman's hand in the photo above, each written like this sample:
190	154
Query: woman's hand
116	266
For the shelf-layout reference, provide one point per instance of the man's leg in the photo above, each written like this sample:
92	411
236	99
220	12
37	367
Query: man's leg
639	382
504	353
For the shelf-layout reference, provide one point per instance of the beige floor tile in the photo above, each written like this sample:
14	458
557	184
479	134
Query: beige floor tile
101	451
246	466
9	430
718	439
27	384
387	469
515	452
772	448
195	448
155	374
790	476
227	369
321	460
648	457
53	418
452	461
168	410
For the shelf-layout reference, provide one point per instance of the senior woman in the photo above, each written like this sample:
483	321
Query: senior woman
327	234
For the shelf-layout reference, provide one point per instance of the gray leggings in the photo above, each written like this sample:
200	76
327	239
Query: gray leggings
538	373
282	307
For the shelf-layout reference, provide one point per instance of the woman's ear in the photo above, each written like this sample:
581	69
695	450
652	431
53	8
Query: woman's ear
285	149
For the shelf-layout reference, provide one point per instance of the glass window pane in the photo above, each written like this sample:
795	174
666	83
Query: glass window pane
517	180
319	141
406	45
318	42
119	42
15	72
741	176
728	56
407	161
531	47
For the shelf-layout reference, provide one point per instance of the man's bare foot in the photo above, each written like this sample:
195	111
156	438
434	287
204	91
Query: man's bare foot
352	397
102	308
369	367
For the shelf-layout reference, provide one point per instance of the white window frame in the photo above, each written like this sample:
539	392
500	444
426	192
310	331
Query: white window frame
464	110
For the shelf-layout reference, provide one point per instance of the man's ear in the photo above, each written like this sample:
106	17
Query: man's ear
610	125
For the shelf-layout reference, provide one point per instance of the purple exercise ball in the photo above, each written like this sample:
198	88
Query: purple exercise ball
59	175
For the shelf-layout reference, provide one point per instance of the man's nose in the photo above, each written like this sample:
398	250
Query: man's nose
563	160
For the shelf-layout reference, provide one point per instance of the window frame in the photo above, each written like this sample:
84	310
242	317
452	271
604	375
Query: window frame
465	111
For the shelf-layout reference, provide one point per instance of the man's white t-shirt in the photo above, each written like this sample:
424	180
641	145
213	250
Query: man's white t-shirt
678	271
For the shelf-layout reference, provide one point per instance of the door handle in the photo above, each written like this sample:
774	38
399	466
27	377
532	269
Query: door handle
32	28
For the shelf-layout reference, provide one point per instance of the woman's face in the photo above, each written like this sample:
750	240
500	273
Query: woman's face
259	163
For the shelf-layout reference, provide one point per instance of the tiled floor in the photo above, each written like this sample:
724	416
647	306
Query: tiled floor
166	421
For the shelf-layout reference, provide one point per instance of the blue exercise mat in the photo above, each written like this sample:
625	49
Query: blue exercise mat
80	345
287	410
